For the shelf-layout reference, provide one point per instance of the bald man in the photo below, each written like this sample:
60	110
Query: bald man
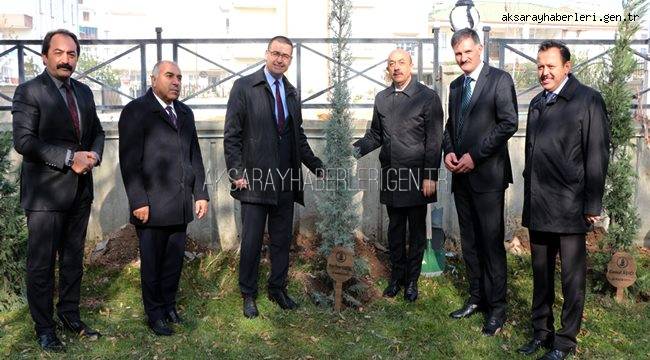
407	125
164	178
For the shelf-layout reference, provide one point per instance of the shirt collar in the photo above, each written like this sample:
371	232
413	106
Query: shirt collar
271	80
559	88
57	82
474	74
162	103
403	87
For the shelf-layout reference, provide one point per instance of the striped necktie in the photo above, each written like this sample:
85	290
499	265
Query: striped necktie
466	98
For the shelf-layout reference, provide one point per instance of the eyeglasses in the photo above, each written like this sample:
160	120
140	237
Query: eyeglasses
277	54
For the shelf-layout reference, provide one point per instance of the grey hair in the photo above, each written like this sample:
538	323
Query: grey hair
156	68
463	34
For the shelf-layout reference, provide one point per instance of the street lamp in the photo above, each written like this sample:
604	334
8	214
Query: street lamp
464	15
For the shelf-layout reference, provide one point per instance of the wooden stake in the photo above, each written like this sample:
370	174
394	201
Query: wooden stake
620	293
338	295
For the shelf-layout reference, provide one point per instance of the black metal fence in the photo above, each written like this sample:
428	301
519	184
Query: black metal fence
302	46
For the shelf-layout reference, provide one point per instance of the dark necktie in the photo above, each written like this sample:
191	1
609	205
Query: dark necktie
466	98
171	115
278	105
550	98
72	108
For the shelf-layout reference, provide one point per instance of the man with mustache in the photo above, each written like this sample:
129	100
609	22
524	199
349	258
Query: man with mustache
567	154
264	146
58	133
407	125
482	117
164	178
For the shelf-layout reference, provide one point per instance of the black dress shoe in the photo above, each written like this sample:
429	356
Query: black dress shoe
78	327
411	292
282	299
392	289
250	308
49	342
492	326
159	327
555	354
466	311
533	345
172	317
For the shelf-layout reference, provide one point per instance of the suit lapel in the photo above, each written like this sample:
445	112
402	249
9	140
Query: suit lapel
291	98
478	88
181	116
156	107
84	116
537	107
260	80
55	97
458	93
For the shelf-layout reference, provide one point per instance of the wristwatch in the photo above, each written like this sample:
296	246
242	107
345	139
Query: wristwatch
69	159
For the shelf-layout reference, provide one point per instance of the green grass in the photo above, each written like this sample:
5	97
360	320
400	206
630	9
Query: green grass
387	329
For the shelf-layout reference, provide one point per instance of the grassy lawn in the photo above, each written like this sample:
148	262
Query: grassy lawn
387	329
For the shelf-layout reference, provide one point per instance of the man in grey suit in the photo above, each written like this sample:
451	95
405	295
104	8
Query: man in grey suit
482	117
56	130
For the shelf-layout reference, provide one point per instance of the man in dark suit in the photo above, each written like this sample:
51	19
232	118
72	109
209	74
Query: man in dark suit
567	153
407	124
164	178
58	133
264	146
482	117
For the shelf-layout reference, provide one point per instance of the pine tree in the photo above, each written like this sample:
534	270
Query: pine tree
618	200
13	235
619	190
337	212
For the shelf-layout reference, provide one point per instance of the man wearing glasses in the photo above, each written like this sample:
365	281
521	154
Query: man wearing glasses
264	146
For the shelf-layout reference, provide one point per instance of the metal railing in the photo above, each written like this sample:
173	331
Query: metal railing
302	46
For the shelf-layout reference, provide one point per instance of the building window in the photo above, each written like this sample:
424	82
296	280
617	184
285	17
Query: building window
86	32
86	15
80	1
409	47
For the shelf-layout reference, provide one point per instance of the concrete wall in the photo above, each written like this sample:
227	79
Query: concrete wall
221	227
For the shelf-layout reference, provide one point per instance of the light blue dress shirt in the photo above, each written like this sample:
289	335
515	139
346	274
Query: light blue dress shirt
271	80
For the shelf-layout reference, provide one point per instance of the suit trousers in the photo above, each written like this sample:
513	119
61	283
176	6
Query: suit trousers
52	233
480	217
544	248
406	266
161	262
280	223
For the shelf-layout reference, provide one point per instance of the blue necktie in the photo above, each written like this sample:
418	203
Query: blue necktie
466	98
550	98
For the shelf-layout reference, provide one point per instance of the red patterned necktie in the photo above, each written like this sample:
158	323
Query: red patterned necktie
278	105
72	108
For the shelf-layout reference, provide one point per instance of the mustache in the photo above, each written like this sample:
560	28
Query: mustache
64	66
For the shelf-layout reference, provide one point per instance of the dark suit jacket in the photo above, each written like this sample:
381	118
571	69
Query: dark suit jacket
408	127
491	120
161	166
251	138
43	132
567	153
